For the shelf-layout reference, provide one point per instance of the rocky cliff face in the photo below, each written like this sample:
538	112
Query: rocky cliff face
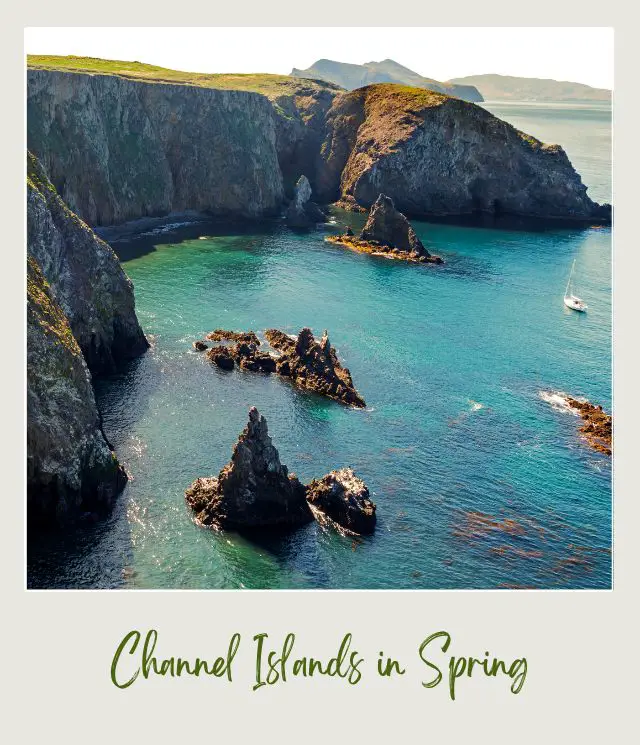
70	467
85	276
118	149
436	155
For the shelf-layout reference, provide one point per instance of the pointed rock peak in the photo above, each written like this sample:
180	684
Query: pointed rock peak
303	191
305	340
254	489
324	342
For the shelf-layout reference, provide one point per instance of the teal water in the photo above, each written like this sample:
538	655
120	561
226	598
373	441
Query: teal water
452	360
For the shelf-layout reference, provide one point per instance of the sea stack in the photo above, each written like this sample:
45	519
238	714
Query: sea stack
314	365
388	233
343	497
302	212
254	490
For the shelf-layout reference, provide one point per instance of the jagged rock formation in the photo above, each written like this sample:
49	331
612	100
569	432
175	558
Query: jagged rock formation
388	233
125	140
597	427
435	155
311	365
254	490
314	366
221	357
85	276
302	212
248	337
356	76
199	346
345	498
71	469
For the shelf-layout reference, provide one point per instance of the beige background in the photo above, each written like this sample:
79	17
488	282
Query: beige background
57	646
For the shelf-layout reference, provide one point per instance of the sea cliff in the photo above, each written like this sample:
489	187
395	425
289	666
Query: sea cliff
80	319
437	155
123	140
118	149
85	276
71	469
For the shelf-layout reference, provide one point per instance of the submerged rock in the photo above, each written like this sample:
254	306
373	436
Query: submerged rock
302	212
314	365
597	427
254	490
344	497
387	232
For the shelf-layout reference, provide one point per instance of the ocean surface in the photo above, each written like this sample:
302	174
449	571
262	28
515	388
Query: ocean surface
480	478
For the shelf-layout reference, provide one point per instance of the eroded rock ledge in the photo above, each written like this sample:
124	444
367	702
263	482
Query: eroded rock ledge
309	364
597	427
256	491
387	233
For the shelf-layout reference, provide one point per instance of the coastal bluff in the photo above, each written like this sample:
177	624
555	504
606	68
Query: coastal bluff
80	320
122	140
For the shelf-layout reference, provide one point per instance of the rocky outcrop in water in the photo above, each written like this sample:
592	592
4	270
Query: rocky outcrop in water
597	427
84	275
221	357
254	490
302	212
343	497
248	337
309	364
314	366
387	233
436	155
71	470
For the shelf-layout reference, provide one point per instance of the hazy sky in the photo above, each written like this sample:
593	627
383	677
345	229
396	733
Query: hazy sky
583	55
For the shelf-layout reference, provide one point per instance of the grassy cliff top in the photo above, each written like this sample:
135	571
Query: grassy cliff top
268	85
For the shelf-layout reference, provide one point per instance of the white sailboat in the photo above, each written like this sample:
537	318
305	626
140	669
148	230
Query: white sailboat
570	300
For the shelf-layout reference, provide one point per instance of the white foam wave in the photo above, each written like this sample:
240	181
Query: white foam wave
558	400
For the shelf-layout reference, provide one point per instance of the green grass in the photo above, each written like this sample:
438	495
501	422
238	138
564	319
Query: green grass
268	85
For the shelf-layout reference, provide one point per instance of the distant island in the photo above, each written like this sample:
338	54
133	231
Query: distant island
357	76
508	88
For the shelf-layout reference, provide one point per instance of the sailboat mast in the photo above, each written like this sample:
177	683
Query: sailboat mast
573	266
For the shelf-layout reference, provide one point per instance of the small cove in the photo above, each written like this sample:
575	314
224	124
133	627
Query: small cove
479	482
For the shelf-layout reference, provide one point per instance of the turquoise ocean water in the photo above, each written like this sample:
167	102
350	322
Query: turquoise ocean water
479	481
